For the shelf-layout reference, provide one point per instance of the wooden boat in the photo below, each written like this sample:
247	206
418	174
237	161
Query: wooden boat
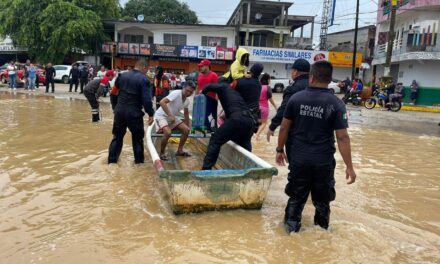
239	180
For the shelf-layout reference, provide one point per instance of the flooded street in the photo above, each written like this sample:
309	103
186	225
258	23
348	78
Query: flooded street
61	203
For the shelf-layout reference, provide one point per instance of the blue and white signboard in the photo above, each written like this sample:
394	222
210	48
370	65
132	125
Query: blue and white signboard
331	13
274	55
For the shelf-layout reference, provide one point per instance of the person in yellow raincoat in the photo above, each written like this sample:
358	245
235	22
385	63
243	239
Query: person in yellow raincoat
239	67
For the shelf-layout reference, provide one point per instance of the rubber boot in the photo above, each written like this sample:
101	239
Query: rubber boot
95	115
322	214
292	217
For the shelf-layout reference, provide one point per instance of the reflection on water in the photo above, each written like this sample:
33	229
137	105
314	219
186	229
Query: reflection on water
60	202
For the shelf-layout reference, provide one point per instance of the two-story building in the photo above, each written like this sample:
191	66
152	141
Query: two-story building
177	48
416	47
343	41
265	27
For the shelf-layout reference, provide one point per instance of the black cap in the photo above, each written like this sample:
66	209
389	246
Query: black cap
257	69
301	65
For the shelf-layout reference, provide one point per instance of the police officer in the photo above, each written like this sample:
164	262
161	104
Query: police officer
311	118
238	127
95	89
300	76
74	78
250	90
134	92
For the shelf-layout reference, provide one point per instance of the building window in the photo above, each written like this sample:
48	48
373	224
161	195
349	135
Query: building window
150	40
133	38
174	39
214	41
260	40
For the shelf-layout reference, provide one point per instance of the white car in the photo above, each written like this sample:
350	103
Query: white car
334	87
62	73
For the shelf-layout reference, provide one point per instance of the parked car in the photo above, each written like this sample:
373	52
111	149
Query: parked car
334	86
62	73
4	75
278	85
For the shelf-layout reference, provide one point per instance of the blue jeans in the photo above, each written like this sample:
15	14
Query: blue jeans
31	83
12	80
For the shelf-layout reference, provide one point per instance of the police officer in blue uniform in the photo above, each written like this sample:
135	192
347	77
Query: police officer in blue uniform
238	127
135	92
310	121
300	76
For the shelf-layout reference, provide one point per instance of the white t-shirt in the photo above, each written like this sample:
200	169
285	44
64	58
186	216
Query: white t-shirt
175	105
11	69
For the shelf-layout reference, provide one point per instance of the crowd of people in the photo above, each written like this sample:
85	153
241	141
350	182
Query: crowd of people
309	117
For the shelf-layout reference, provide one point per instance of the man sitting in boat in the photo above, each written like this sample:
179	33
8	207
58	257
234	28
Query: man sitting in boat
238	127
166	119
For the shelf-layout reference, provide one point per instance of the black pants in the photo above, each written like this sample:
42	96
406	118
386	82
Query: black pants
91	97
83	83
133	120
239	129
52	82
72	82
211	109
317	180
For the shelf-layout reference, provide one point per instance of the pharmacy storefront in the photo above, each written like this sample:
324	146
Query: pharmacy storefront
278	62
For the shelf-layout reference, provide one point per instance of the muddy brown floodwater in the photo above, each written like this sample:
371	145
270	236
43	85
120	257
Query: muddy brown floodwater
61	203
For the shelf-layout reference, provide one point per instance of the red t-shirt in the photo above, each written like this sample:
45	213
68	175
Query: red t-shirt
205	79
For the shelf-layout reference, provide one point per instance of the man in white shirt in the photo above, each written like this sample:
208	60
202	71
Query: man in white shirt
12	75
165	118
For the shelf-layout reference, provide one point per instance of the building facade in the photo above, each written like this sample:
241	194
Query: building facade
177	48
416	47
343	41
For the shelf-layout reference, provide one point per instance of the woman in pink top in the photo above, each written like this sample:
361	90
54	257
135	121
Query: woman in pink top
265	97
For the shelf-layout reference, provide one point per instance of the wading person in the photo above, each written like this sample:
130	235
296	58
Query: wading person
265	98
161	85
300	76
50	77
74	78
206	77
310	120
95	89
134	92
250	90
166	118
238	127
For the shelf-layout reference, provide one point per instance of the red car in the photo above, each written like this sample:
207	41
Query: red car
4	76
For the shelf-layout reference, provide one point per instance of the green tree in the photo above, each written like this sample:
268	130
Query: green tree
160	11
51	29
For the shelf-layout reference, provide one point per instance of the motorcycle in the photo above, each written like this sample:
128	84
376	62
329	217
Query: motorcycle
380	97
353	98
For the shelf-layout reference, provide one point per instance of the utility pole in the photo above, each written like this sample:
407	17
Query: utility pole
353	66
393	6
324	25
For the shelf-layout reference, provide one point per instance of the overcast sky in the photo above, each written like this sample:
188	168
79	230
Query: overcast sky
219	11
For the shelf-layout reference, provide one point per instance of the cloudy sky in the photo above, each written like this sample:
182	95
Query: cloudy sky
219	11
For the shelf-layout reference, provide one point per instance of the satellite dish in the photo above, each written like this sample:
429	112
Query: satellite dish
140	17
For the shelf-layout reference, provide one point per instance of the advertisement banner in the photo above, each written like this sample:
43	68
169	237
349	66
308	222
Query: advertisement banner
144	49
123	48
106	48
224	53
284	56
189	51
164	50
331	13
134	48
207	52
344	59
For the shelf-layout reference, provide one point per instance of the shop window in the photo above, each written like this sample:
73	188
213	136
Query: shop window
174	39
133	38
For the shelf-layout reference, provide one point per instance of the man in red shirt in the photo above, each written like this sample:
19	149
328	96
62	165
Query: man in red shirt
206	77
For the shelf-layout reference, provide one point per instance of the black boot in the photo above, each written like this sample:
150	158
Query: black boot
292	216
322	214
95	115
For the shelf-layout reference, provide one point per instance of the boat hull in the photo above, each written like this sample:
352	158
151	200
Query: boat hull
242	183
